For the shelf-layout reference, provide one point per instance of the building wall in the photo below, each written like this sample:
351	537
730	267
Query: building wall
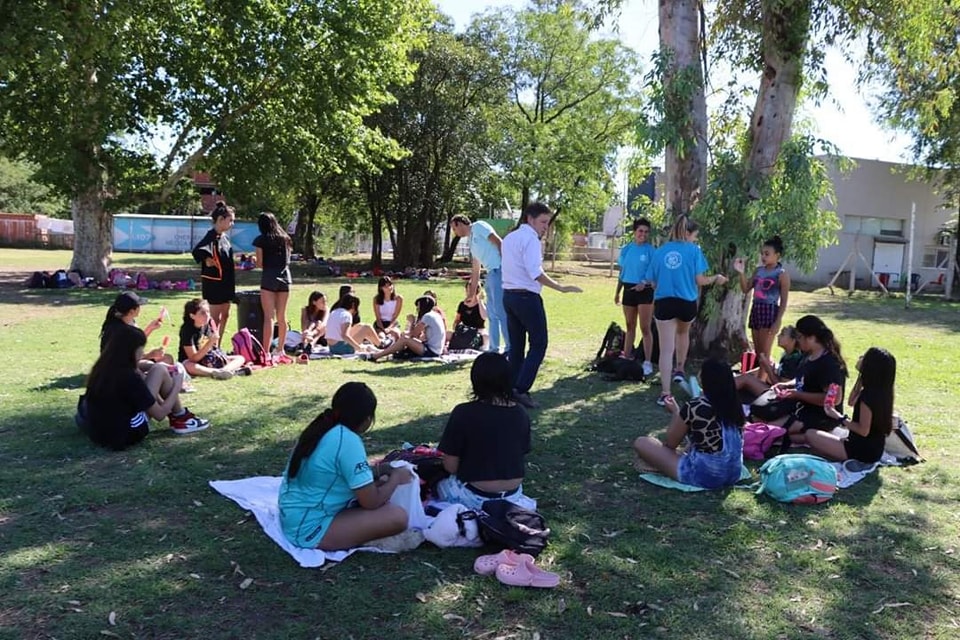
882	190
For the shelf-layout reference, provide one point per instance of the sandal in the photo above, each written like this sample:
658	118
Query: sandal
526	574
487	565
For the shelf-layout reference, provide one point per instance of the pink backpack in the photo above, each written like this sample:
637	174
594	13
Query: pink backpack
246	345
758	437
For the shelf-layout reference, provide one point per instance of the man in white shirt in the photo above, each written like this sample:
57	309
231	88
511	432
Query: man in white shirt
523	279
485	251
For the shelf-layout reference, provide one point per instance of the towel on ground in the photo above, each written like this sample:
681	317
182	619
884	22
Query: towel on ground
669	483
259	496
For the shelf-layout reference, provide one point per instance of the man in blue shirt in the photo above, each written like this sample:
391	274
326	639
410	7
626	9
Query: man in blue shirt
485	251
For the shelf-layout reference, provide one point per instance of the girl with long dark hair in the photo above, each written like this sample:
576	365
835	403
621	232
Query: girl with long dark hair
872	413
387	306
486	441
822	366
214	253
344	337
119	399
273	256
328	472
313	322
428	337
635	260
123	312
198	350
713	427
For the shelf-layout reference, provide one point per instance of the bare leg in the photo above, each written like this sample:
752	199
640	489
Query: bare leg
198	370
220	313
161	384
752	384
630	317
668	335
268	301
402	343
655	454
353	527
361	332
645	313
234	363
683	344
281	307
826	444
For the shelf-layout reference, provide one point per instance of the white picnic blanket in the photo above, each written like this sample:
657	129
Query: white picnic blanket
259	496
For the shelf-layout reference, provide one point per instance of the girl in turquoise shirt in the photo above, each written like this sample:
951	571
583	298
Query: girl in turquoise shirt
635	260
329	498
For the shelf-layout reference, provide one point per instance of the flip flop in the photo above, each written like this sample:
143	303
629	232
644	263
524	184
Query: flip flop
487	565
526	574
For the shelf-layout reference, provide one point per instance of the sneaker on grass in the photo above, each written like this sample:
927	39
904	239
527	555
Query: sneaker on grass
221	374
187	423
647	368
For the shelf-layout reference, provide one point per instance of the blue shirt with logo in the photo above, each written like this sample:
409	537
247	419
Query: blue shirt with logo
634	262
675	268
323	486
480	246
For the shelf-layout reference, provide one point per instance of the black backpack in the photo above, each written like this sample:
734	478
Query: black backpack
613	341
510	526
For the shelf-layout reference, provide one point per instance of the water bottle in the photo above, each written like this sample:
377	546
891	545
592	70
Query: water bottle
695	390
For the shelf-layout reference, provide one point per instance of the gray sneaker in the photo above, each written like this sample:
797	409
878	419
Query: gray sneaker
647	368
221	374
404	541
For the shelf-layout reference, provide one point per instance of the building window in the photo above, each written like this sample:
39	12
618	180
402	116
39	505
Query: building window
869	226
935	257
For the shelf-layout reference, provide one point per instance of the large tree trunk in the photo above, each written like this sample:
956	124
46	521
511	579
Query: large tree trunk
304	240
786	27
685	162
92	234
376	228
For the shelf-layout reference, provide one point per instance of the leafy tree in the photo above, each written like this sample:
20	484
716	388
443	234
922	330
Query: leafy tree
571	103
85	85
441	122
21	193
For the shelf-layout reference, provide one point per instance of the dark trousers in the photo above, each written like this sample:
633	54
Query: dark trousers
525	317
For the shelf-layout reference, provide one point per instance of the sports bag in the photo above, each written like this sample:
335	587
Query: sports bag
246	345
758	438
428	462
798	478
900	443
510	526
613	341
465	337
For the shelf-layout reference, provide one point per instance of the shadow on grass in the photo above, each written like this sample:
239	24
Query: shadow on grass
73	381
931	313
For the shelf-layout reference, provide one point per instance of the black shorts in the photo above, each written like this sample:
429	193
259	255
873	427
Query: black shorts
632	298
216	292
277	280
675	309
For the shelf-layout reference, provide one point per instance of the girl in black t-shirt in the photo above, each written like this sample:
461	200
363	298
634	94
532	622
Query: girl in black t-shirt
123	312
486	441
198	350
822	367
273	256
872	402
313	322
468	324
119	399
217	272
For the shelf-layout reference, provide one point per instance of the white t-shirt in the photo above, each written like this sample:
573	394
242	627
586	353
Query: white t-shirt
338	317
522	259
435	336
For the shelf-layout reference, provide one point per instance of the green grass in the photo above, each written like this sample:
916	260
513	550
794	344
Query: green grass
85	533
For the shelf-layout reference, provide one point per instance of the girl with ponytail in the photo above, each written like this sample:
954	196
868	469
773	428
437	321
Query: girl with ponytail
677	272
823	366
328	472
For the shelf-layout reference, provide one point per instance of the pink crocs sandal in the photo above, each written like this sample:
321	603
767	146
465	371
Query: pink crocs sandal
526	574
487	565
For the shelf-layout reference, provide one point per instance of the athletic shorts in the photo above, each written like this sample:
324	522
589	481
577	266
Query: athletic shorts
215	292
342	348
277	280
675	309
632	298
762	315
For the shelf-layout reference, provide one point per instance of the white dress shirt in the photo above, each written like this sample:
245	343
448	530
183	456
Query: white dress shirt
522	260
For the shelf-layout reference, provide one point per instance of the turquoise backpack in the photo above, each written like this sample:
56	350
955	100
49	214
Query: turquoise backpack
798	478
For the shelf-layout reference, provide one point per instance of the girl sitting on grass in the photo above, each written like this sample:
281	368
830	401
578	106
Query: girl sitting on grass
343	336
785	371
313	322
713	427
428	337
486	441
199	352
120	399
872	402
123	312
330	498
